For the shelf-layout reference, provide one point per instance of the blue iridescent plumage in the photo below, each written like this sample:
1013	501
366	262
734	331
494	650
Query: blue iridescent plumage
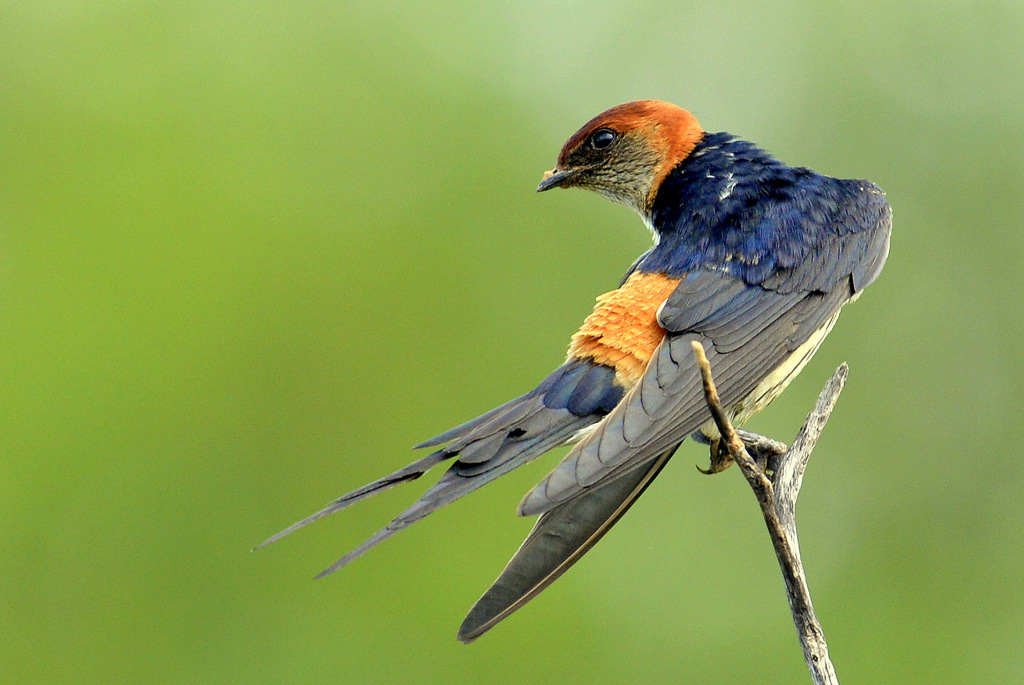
734	208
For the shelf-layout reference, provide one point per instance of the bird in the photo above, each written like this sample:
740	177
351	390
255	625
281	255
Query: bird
752	258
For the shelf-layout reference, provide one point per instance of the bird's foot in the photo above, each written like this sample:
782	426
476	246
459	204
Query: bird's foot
720	457
763	450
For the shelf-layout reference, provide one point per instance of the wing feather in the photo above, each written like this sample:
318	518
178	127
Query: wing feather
559	538
667	404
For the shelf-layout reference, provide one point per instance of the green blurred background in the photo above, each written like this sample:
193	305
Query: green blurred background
251	252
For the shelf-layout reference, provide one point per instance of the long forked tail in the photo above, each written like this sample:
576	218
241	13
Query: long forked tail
561	536
460	480
505	414
409	473
468	435
507	449
574	396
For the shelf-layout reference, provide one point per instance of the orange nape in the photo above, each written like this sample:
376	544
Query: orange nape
623	330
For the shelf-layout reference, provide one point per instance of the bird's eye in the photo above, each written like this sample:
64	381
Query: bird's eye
602	138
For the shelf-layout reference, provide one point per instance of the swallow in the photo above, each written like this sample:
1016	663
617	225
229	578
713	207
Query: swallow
752	258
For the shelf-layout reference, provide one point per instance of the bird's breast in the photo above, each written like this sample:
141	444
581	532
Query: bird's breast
623	330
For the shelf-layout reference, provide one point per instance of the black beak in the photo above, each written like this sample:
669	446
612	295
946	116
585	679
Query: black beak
558	178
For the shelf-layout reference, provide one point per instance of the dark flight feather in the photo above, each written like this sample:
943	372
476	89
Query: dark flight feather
559	538
574	396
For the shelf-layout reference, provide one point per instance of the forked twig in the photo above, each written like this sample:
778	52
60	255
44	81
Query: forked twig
777	495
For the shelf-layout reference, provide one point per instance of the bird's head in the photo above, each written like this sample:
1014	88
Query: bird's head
626	152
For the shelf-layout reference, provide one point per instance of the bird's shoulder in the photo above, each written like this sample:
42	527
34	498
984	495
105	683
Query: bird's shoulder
732	207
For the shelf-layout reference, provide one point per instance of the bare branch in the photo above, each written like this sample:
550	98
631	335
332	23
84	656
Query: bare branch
777	496
788	468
